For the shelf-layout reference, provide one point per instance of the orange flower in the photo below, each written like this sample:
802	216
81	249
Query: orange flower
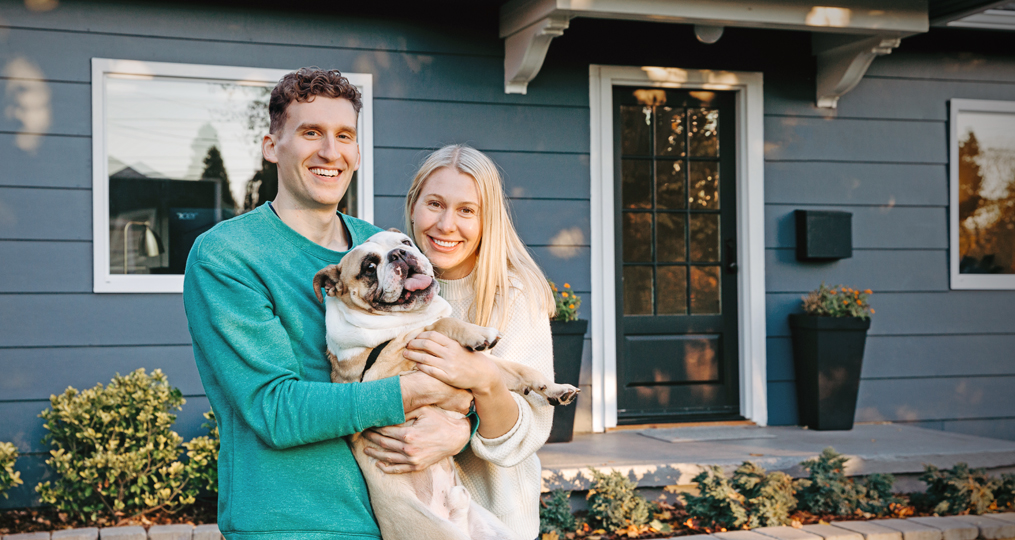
832	291
845	301
872	311
571	306
867	291
567	285
564	294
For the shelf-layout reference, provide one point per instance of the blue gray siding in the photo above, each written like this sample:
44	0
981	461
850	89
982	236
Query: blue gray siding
935	357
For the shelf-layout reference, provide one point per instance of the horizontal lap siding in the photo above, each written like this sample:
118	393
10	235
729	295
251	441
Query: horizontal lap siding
434	82
934	357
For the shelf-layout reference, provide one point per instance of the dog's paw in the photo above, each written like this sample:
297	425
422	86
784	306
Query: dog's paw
561	394
483	339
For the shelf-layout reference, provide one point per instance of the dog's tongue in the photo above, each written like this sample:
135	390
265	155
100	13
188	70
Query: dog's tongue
417	282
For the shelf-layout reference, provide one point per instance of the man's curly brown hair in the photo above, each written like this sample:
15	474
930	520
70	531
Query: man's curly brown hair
304	85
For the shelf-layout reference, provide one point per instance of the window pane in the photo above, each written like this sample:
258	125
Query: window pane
670	132
637	237
670	185
635	134
705	290
705	237
986	198
670	239
636	183
638	290
704	132
182	156
704	185
672	299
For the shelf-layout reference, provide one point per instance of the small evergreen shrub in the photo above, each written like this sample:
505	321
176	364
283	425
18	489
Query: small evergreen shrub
958	490
8	476
555	513
203	456
614	504
1005	492
751	498
114	452
829	491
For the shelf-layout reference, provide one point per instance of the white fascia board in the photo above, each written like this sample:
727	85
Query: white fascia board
902	17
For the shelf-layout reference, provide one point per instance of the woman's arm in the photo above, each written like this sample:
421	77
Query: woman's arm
523	427
446	360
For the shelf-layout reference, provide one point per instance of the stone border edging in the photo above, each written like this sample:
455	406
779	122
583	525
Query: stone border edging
156	532
985	527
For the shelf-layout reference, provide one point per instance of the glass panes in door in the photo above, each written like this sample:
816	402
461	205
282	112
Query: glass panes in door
670	208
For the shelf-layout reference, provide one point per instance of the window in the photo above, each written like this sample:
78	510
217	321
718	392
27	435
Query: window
176	148
982	194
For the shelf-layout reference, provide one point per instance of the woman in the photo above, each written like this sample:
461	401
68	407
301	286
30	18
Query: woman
458	217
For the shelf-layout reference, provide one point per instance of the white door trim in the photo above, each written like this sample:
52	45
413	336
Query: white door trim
750	228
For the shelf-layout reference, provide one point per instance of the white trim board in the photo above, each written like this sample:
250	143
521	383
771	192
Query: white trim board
750	228
955	108
103	280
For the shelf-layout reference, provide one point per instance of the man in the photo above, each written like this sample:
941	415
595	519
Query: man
259	339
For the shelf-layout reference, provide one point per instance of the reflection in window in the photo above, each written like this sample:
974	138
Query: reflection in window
183	155
986	198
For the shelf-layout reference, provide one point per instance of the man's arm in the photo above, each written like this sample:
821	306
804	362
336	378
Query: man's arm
244	351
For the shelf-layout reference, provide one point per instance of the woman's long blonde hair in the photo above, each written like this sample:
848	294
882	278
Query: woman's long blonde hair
502	255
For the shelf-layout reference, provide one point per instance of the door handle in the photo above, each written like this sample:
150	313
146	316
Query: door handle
731	256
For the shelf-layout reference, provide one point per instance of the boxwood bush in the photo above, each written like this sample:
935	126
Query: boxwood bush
8	476
114	451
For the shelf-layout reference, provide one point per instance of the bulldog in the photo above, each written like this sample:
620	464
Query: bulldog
384	292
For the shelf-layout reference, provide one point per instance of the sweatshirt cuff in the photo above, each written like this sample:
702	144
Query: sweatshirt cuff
514	429
379	403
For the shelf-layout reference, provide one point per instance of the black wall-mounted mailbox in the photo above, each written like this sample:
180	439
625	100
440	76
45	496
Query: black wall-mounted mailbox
823	235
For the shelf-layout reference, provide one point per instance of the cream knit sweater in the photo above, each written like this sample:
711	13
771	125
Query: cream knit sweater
503	474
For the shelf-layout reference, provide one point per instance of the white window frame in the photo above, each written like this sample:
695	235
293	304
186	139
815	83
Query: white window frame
750	170
968	281
104	281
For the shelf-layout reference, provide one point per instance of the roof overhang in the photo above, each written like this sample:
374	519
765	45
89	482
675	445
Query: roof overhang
846	36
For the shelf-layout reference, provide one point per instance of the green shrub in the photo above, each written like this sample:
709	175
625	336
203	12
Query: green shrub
8	476
203	456
829	491
1005	492
751	498
614	504
957	490
555	513
115	454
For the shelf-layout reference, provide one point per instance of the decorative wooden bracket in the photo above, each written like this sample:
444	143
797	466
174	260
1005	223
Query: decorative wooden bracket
525	50
843	60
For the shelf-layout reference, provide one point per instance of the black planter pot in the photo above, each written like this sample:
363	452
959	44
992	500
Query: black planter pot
568	341
828	355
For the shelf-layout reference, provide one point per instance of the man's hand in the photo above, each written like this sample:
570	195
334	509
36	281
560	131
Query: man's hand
420	390
427	436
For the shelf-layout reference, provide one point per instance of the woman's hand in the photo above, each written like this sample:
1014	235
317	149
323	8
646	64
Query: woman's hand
427	436
447	361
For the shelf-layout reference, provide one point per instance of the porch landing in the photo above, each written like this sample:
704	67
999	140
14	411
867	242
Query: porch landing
887	448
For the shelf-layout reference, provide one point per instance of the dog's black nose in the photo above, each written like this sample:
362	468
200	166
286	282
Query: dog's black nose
396	254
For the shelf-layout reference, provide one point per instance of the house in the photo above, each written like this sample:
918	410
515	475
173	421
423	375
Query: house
654	154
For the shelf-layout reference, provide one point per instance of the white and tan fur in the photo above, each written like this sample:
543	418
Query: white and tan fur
366	306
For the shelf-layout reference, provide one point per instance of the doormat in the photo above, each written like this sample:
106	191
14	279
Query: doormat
707	433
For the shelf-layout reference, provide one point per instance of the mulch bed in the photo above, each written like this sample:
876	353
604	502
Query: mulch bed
681	524
25	520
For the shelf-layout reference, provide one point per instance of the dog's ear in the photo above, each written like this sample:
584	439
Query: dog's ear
329	278
393	229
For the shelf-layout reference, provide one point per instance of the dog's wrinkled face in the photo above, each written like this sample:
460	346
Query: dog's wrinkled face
386	273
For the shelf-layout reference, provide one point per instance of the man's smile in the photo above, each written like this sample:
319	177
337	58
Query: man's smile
328	173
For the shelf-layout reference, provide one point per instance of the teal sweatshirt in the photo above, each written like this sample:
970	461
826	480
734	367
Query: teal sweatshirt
285	470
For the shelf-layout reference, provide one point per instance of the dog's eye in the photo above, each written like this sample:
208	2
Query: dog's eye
407	242
371	267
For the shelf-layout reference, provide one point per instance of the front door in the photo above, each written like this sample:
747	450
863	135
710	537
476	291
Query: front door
677	353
